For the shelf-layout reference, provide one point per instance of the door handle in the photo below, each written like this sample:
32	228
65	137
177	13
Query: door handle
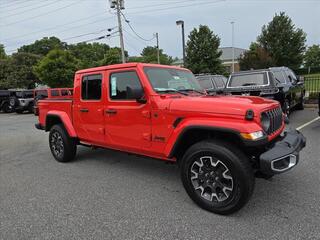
84	110
111	111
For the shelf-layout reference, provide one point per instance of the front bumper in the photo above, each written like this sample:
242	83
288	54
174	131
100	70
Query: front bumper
284	154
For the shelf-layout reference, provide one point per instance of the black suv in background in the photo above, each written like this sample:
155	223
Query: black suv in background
278	83
22	100
212	83
5	101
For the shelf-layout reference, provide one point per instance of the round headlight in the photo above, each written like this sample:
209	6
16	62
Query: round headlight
265	122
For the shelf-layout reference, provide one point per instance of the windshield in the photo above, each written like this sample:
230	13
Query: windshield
169	79
25	94
252	79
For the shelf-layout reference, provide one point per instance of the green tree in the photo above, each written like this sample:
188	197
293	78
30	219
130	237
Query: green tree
89	54
255	58
5	70
43	46
57	68
149	55
16	71
202	53
21	74
136	59
2	52
113	56
312	56
283	41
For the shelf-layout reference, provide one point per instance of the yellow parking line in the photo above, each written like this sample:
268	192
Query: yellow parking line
308	123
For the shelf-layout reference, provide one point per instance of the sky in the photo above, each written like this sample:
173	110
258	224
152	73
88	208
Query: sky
24	21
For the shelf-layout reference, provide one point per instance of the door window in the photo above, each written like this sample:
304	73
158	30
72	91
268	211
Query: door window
120	82
91	87
55	93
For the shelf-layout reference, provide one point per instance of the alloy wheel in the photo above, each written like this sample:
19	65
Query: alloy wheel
211	179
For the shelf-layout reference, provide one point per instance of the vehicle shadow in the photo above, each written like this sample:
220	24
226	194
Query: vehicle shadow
273	197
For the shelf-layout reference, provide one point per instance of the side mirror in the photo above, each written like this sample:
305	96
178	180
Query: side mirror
136	93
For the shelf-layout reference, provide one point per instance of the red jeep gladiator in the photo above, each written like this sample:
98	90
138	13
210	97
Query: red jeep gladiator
219	142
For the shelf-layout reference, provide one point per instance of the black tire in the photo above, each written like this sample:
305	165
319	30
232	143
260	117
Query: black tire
19	111
237	167
300	105
6	108
286	107
63	147
30	108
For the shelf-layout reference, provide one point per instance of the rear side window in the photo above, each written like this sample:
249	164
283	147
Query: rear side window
120	82
43	93
91	87
54	93
253	79
65	92
279	76
206	83
219	82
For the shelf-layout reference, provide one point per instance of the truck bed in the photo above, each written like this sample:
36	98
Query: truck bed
52	105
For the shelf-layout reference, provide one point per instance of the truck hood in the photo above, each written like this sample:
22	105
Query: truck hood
231	105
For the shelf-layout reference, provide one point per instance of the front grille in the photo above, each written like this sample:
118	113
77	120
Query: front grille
275	116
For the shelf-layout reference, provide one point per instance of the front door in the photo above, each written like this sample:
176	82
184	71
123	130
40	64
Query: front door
88	108
127	122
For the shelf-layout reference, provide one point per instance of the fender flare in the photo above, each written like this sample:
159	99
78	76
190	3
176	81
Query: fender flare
217	126
65	120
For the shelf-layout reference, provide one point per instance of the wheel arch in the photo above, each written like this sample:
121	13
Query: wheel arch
193	134
56	117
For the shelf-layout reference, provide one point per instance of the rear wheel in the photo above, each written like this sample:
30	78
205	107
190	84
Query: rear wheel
300	105
217	178
63	147
6	108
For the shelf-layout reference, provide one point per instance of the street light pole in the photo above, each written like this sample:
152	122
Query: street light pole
232	23
181	22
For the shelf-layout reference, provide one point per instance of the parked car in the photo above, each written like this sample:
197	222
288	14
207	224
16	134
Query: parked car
162	112
50	93
278	83
22	100
5	101
212	83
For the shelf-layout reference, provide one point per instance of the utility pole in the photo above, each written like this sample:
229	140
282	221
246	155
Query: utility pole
119	4
232	23
180	22
158	50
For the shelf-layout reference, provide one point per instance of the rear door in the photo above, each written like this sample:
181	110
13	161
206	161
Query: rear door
88	108
127	122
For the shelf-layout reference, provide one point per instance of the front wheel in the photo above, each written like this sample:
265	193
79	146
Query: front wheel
63	148
217	178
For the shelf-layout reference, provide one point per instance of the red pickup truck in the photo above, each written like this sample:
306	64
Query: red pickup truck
219	142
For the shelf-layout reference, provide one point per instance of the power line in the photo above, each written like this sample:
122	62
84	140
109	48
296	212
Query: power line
49	12
19	7
138	35
57	26
174	7
28	10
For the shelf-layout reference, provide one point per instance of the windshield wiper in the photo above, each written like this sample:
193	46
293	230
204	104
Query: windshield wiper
171	90
192	90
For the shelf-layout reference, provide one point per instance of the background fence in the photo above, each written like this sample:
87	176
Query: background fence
312	85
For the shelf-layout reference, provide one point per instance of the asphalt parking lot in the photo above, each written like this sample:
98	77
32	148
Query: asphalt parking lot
111	195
